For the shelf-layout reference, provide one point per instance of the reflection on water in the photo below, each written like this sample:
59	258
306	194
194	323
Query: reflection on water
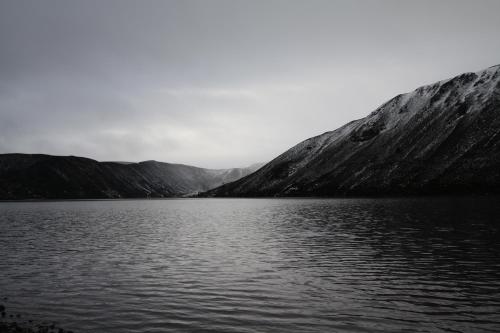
255	265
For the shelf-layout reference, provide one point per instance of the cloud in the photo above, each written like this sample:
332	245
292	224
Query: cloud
218	83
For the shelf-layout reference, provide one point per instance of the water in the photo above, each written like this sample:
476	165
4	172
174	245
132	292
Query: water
255	265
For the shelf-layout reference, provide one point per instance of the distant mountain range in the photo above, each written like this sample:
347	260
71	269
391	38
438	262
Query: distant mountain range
25	176
439	139
442	138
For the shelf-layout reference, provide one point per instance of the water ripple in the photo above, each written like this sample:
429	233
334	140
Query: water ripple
255	265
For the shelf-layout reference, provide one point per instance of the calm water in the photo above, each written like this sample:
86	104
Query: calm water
255	265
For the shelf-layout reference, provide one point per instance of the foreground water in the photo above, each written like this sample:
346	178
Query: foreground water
255	265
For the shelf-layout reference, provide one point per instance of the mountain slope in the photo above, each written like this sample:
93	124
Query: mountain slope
24	176
440	138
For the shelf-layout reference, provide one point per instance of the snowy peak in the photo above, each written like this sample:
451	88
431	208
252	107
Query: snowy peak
440	138
464	92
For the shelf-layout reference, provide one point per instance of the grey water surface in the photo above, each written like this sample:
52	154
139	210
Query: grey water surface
254	265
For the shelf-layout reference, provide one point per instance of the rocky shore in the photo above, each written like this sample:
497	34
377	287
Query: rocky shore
15	323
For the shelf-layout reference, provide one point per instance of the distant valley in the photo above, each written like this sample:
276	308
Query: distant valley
37	176
442	138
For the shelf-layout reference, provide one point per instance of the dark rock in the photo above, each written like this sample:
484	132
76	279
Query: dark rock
367	131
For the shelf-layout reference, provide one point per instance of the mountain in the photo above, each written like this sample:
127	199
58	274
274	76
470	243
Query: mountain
439	139
25	176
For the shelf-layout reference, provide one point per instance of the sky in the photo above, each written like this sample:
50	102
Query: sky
219	84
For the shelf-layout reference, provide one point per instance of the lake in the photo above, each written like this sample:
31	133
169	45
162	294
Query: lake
254	265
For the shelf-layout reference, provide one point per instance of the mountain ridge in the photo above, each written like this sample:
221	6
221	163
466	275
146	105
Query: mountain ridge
439	138
41	176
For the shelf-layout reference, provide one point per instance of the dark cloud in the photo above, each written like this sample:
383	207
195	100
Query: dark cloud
218	83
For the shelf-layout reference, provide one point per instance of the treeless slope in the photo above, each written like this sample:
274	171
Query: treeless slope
24	176
440	138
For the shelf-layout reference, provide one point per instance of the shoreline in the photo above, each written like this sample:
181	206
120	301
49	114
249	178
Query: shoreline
16	323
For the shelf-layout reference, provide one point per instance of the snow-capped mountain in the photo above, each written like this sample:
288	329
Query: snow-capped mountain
440	138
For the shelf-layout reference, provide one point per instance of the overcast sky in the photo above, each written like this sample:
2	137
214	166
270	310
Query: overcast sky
219	83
